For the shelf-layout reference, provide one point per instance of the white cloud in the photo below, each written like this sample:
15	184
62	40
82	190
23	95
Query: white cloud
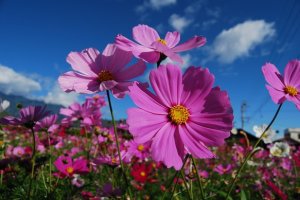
208	23
57	96
154	4
179	23
12	82
194	7
239	40
157	4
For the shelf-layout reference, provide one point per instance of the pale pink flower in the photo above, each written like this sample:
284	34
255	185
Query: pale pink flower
286	87
94	72
152	48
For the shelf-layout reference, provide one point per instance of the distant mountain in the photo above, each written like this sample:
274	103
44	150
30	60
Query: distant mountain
15	100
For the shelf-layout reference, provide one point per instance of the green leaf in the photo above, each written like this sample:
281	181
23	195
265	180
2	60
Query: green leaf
243	195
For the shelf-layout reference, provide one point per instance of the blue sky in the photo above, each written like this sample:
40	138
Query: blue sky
36	36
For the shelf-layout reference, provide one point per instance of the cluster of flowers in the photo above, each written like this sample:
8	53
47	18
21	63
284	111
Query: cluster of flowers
182	117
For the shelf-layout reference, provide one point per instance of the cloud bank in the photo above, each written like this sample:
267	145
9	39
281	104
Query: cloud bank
237	41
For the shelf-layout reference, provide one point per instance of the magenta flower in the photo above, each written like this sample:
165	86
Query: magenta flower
286	87
29	116
184	116
223	169
139	150
18	151
47	123
67	167
152	48
94	72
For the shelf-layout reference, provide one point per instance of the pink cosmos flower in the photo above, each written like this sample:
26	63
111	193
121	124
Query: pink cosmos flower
28	116
286	87
18	151
139	150
47	123
67	167
152	48
185	115
222	169
94	72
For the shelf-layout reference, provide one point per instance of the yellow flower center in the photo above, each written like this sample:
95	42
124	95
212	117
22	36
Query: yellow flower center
291	90
143	173
113	160
1	142
141	147
164	42
277	152
105	75
70	170
179	114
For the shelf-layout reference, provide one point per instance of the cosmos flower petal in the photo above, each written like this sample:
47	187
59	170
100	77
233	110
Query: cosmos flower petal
72	81
164	82
195	147
83	62
272	76
169	154
196	41
172	39
173	56
292	73
146	100
145	35
295	100
197	83
131	71
210	132
128	45
209	140
277	96
150	57
114	59
144	125
217	101
107	85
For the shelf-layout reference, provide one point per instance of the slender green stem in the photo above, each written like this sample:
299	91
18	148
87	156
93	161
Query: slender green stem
198	178
176	175
43	177
250	154
1	178
117	142
185	183
32	162
50	162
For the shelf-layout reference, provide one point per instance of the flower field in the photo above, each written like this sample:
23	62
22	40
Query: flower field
177	142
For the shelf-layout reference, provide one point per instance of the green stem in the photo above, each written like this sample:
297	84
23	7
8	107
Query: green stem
43	177
250	154
1	178
117	142
33	163
198	178
176	174
185	183
50	162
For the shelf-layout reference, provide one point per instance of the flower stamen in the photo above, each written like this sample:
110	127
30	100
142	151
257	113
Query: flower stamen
105	75
140	147
162	41
290	90
179	114
143	174
70	170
